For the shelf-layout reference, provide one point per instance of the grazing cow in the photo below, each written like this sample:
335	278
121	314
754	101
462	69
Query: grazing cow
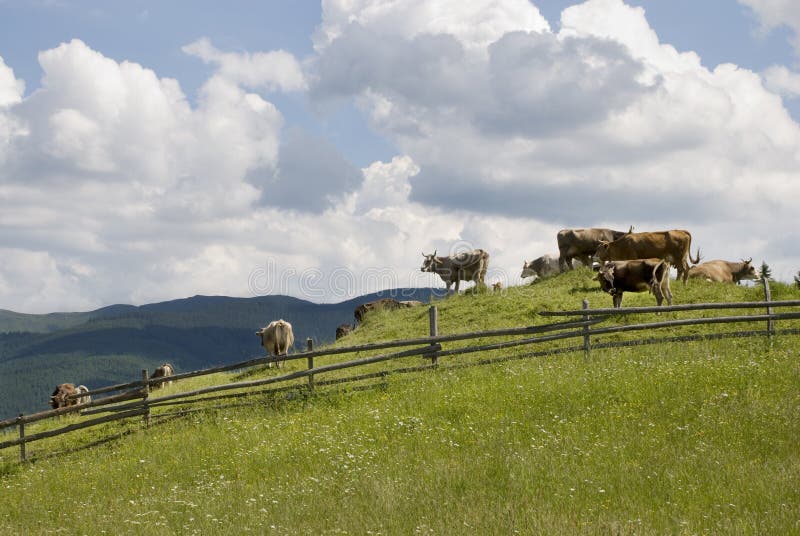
466	266
276	337
388	304
163	371
672	246
342	330
86	398
540	267
59	398
581	244
638	275
724	271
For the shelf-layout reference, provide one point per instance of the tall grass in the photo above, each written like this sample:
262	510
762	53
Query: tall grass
683	438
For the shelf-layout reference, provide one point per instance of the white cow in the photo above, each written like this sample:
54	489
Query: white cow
276	337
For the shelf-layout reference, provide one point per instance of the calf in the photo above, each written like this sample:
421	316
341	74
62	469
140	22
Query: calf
638	275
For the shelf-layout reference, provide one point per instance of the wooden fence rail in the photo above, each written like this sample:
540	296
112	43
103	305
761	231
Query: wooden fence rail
429	347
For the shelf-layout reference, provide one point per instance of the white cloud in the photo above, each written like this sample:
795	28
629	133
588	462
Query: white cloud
115	188
275	70
776	13
11	89
781	80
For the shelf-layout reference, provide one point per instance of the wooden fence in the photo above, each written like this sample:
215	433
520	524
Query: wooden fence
134	399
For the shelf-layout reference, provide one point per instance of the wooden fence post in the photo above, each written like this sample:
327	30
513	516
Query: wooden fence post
146	395
22	455
586	341
310	348
768	298
433	316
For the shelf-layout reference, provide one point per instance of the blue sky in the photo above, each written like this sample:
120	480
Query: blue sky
191	145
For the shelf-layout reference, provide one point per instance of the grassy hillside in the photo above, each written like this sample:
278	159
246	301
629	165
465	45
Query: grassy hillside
113	344
685	438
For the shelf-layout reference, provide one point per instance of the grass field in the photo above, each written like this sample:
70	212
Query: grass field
681	438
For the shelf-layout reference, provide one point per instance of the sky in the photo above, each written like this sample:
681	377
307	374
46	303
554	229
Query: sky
158	150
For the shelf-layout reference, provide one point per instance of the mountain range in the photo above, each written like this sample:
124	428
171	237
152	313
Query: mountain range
113	344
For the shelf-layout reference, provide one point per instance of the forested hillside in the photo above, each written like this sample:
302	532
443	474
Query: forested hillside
113	344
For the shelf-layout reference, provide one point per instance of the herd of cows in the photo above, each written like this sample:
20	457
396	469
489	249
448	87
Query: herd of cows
625	262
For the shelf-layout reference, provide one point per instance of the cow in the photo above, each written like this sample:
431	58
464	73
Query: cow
581	244
724	271
388	304
342	330
541	266
60	397
86	398
276	337
466	266
638	275
672	246
411	303
163	371
497	286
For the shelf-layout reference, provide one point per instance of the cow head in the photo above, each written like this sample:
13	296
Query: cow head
602	251
527	269
748	271
430	262
606	278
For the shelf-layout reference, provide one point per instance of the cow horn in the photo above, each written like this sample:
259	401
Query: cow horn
748	261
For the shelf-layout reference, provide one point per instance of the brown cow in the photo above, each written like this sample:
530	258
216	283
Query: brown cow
638	275
581	244
276	337
466	266
724	271
163	371
342	330
59	398
388	304
672	246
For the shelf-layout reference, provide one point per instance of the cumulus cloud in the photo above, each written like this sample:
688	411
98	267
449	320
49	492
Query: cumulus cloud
275	70
781	80
116	188
309	173
598	122
775	13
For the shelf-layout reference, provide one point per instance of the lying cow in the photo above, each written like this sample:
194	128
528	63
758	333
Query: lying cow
466	266
60	397
342	330
638	275
387	304
672	246
540	267
276	337
581	244
163	371
724	271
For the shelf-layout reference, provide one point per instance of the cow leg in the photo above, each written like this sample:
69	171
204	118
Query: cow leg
458	284
617	298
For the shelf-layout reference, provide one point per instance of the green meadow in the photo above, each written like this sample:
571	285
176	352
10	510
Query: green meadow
672	438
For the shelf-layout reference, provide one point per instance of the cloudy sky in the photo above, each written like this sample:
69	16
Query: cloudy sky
158	150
